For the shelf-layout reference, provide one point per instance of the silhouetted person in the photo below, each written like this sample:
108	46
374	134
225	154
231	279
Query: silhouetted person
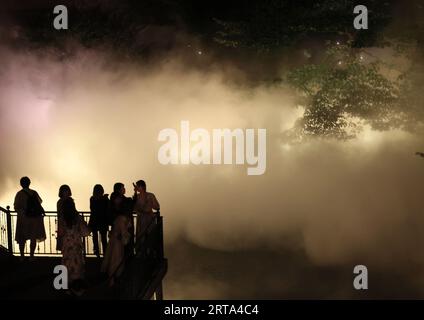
144	204
30	224
72	229
99	206
64	194
117	198
120	236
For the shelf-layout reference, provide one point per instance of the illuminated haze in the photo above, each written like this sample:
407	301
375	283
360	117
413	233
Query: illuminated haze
92	120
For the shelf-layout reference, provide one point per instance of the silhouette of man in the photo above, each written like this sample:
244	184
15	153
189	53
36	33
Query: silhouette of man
144	204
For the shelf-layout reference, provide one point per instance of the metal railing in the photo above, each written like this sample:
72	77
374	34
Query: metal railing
143	273
8	219
142	277
5	226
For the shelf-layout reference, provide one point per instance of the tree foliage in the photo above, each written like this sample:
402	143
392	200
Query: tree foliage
344	92
269	24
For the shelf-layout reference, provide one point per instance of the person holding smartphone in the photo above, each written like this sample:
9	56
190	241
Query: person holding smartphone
144	204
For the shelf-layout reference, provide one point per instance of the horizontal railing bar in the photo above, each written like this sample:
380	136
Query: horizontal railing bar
47	212
52	213
55	212
148	245
51	218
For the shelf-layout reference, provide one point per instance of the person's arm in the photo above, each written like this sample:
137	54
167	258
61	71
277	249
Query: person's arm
38	197
18	203
91	206
60	227
83	227
134	200
155	203
40	201
126	235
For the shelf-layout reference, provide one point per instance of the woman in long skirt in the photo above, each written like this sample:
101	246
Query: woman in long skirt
116	255
73	229
64	194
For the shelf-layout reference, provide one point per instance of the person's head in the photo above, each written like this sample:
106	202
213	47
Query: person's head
70	213
65	191
119	188
98	191
25	182
141	186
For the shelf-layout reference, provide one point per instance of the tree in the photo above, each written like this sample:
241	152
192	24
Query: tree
343	92
270	24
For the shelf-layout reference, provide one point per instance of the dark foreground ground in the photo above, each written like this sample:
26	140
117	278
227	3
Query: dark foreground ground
199	273
34	280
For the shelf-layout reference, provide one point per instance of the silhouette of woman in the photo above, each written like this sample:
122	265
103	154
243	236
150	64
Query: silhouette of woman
120	236
64	194
72	229
99	204
117	199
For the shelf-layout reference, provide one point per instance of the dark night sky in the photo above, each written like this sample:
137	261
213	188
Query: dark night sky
106	20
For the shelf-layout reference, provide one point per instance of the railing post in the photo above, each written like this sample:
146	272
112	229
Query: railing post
159	289
84	243
161	244
159	292
9	231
